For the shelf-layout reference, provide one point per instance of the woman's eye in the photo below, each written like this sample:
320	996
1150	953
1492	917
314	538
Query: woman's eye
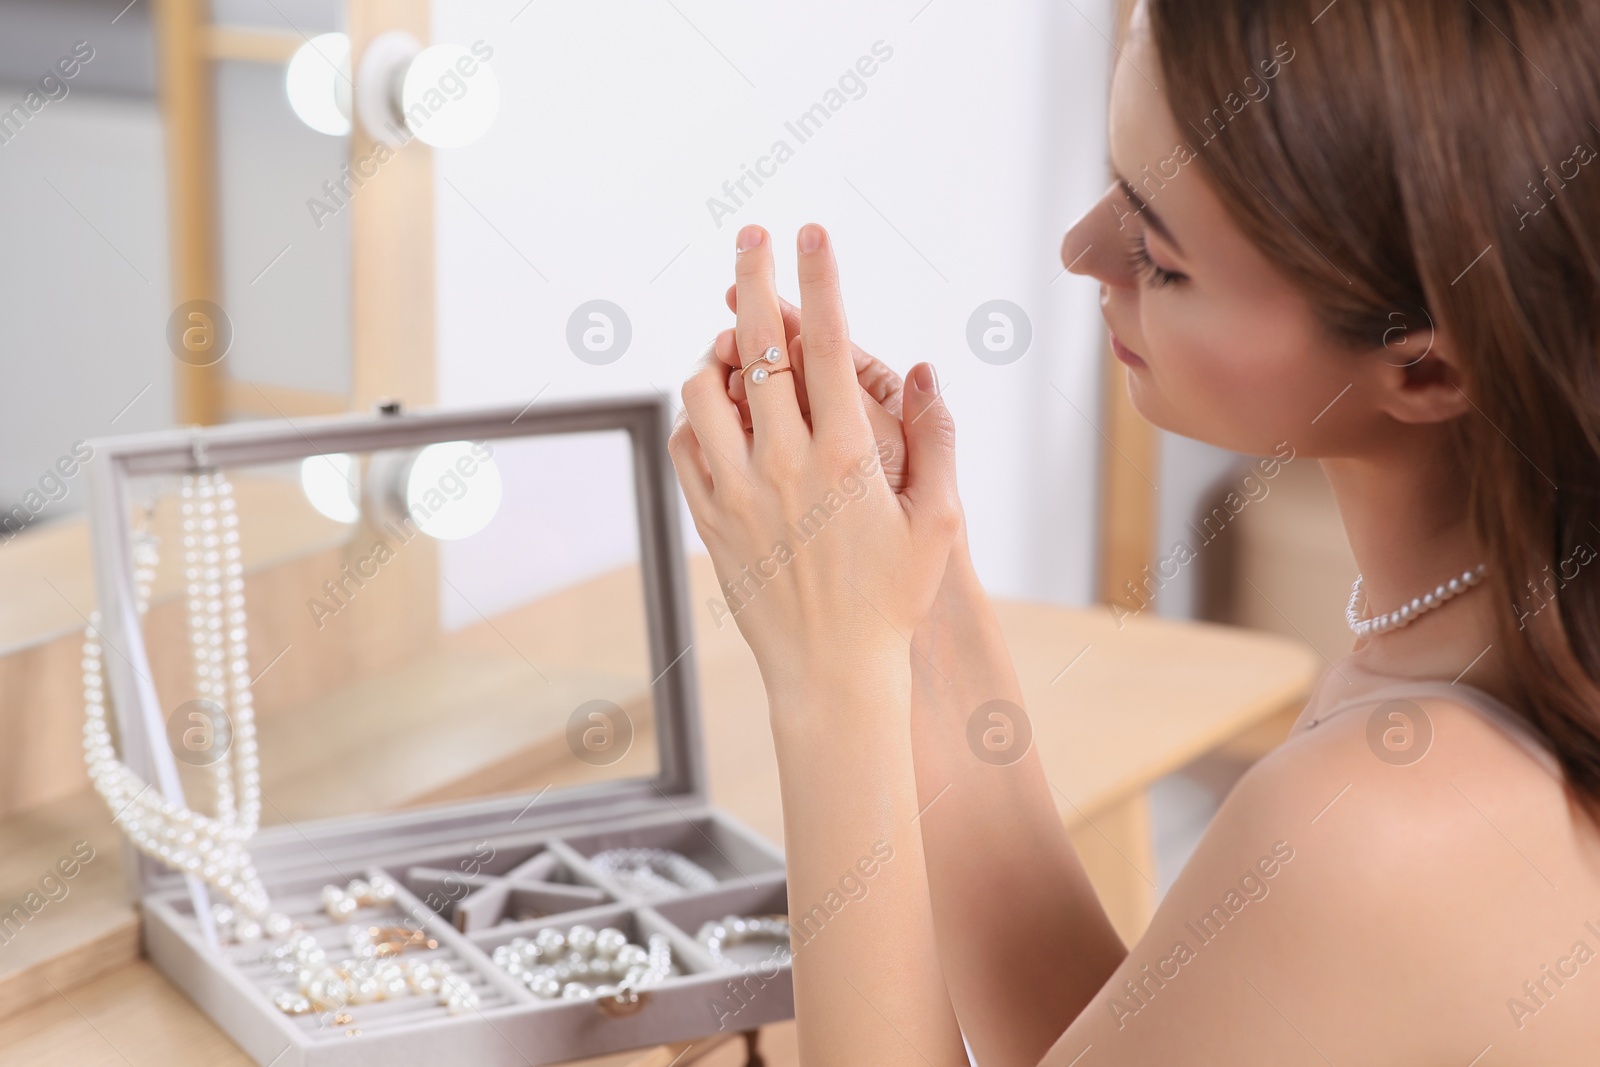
1157	277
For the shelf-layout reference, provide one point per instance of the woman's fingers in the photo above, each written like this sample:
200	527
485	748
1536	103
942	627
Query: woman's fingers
874	375
727	349
689	460
930	491
836	408
714	420
881	383
774	412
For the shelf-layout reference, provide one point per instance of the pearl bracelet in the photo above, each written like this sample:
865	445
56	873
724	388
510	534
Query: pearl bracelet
653	872
555	965
733	930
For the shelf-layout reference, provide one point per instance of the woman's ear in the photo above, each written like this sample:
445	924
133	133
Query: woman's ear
1419	379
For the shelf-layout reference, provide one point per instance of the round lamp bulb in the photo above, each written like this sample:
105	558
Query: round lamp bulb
452	490
329	483
318	83
449	96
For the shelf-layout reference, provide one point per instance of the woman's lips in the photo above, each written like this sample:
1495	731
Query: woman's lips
1125	354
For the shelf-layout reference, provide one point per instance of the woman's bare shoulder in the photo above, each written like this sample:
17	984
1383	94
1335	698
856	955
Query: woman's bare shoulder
1357	899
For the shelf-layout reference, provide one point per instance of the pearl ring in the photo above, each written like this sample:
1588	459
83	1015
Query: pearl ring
760	372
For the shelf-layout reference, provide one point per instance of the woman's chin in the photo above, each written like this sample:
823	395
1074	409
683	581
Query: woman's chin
1144	397
1155	409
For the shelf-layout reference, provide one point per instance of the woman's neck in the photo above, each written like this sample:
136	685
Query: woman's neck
1408	528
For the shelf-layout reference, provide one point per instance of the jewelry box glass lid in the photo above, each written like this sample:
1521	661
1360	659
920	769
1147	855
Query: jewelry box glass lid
456	623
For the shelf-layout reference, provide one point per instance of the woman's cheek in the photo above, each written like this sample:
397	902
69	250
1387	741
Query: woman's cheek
1192	385
1217	389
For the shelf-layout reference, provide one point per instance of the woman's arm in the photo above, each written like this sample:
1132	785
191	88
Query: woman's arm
848	567
1003	829
1023	940
867	983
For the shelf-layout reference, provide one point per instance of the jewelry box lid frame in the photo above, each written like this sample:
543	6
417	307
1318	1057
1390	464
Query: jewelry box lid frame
647	419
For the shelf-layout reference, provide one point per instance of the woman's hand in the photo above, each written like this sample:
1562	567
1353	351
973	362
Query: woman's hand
882	386
883	399
826	568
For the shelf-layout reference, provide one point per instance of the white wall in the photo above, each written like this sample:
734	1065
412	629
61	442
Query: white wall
947	184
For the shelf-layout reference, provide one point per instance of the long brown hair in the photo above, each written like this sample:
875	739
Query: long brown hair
1422	161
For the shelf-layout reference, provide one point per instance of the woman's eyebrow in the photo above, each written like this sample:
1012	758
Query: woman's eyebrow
1145	211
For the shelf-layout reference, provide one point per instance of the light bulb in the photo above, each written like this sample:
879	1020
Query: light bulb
329	483
318	83
452	489
449	96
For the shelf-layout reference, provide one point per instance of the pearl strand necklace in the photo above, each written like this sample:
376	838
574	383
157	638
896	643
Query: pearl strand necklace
1407	613
213	523
210	848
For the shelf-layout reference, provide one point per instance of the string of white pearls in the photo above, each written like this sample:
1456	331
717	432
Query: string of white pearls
340	904
584	963
653	872
209	847
733	930
247	930
1406	614
214	577
365	977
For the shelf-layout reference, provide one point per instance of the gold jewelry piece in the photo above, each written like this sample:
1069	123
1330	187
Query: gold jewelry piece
393	940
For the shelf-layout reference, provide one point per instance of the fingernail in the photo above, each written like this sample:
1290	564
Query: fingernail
922	374
810	237
749	237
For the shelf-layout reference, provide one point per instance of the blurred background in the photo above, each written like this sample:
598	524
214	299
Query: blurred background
283	209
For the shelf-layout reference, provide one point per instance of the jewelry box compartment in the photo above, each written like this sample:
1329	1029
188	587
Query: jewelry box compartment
729	856
505	1020
488	886
741	948
245	988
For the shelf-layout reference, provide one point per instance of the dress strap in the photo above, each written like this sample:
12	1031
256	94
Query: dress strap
1488	707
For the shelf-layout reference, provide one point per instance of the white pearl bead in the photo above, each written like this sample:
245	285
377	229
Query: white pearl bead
608	942
581	940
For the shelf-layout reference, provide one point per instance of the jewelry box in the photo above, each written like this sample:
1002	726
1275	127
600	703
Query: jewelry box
434	747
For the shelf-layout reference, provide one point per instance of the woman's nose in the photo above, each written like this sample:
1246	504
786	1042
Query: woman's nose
1096	244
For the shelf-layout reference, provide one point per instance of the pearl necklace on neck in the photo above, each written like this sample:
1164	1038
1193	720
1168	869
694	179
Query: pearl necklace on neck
1407	613
209	847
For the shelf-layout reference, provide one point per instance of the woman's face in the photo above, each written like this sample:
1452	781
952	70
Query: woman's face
1219	345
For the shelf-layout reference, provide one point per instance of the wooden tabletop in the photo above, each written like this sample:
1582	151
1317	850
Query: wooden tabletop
1113	707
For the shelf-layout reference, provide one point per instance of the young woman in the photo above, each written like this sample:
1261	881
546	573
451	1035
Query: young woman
1371	231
